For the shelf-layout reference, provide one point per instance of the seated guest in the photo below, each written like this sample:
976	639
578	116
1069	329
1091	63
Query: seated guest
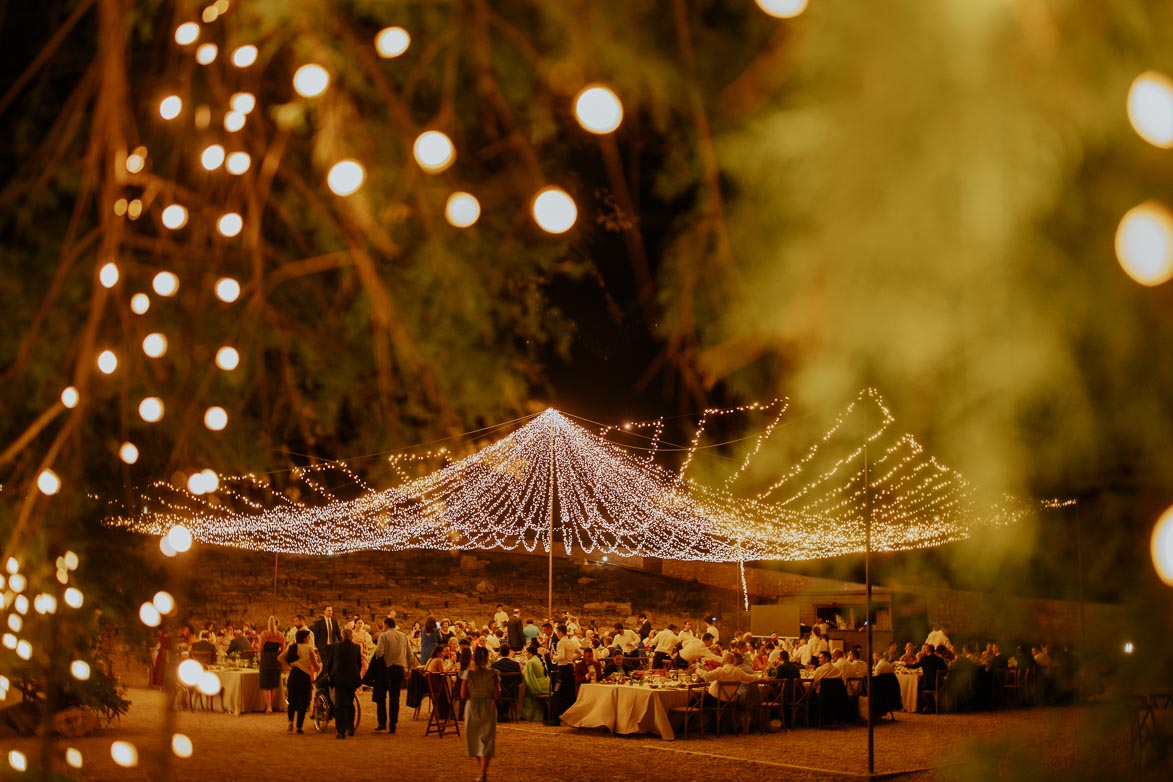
931	664
853	667
537	682
205	644
506	662
587	669
826	670
910	656
997	661
618	663
945	653
882	665
761	659
510	680
239	643
728	671
785	668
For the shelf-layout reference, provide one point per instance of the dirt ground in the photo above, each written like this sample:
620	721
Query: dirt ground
1070	743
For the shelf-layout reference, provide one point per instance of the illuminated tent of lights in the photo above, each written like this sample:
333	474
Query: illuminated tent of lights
553	481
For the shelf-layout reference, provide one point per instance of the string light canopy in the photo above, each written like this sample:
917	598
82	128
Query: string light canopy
603	499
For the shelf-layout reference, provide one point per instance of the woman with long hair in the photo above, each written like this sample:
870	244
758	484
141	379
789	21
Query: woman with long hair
435	672
272	645
537	682
304	664
429	638
479	690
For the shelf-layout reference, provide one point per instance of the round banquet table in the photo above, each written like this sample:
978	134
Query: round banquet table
624	709
909	684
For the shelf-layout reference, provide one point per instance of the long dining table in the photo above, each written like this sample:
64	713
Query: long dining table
624	709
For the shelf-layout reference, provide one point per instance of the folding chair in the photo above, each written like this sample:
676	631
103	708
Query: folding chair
693	706
803	690
727	704
771	701
443	714
931	695
511	693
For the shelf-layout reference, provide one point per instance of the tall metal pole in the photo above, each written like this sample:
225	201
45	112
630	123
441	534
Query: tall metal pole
550	518
276	556
1079	571
867	577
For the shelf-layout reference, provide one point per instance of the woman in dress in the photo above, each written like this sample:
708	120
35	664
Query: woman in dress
272	645
362	637
435	671
159	668
429	638
304	664
479	690
537	682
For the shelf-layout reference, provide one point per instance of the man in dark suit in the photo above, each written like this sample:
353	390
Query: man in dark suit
510	670
645	627
515	630
327	633
345	675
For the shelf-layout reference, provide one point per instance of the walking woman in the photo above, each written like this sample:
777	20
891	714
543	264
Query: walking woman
479	690
304	664
272	645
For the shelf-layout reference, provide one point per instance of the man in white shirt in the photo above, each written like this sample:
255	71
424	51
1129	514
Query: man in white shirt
686	632
853	667
817	643
882	665
565	653
298	624
729	671
697	650
826	670
711	629
501	618
662	644
937	638
626	640
395	651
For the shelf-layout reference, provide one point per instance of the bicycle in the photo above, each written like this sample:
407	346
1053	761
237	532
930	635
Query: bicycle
322	709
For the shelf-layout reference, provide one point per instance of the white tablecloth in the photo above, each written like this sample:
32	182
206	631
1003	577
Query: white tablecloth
909	684
625	709
242	691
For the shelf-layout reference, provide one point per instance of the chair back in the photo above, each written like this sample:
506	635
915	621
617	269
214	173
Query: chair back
203	657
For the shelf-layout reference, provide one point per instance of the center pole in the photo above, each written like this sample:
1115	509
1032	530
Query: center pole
550	519
867	577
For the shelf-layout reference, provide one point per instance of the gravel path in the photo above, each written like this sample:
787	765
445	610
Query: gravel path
1080	742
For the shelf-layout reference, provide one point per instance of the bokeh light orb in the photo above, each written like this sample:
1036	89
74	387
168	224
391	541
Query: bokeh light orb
227	358
74	598
209	683
165	547
310	81
80	670
124	754
1162	547
165	284
244	56
187	33
181	745
238	163
345	177
233	121
783	9
107	362
230	225
179	537
227	290
164	602
70	397
392	42
108	275
1150	108
1144	243
149	615
206	54
155	345
151	409
170	107
554	210
128	452
216	418
48	482
175	217
462	209
73	757
212	157
189	672
598	109
434	151
244	102
18	761
140	303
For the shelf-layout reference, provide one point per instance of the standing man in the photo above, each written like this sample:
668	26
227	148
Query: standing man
345	675
663	644
395	651
298	624
327	632
501	618
513	631
645	627
564	655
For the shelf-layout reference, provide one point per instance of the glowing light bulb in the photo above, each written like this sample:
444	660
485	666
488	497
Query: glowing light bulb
392	42
202	482
1150	108
108	275
181	746
175	217
80	670
151	409
311	80
238	163
17	760
216	418
244	56
189	672
70	397
434	151
164	602
165	284
554	210
17	582
230	225
233	121
107	362
227	290
120	207
179	537
345	177
155	345
227	358
124	754
24	650
73	757
212	157
45	604
244	102
149	615
74	597
15	623
135	162
48	482
12	566
165	547
71	560
1162	547
462	209
140	303
1144	243
170	107
187	33
209	683
206	54
128	453
598	109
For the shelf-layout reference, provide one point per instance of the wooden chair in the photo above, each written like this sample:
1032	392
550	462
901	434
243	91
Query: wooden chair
694	706
833	703
443	715
930	696
512	693
800	705
771	702
727	704
884	696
